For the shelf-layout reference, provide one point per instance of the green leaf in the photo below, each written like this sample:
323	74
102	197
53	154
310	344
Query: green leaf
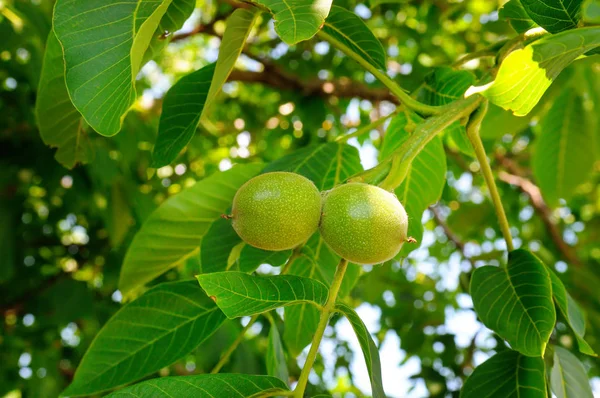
572	313
516	301
239	25
174	231
375	3
251	258
276	364
441	87
181	111
535	67
507	374
103	49
205	386
317	261
297	20
239	294
217	245
425	178
554	15
569	378
326	165
349	29
498	122
563	157
60	124
177	13
591	11
369	349
514	12
152	332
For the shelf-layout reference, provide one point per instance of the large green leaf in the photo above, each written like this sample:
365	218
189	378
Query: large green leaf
297	20
370	351
554	15
205	386
569	378
60	124
507	374
571	311
217	245
155	330
276	364
181	111
104	45
326	165
174	231
177	13
516	301
535	67
239	25
318	262
564	155
251	258
514	12
350	29
239	294
426	175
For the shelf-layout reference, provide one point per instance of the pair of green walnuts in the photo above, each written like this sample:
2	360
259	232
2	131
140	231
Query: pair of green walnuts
278	211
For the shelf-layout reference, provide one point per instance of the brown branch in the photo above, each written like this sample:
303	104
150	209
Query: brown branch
516	176
344	88
17	305
460	245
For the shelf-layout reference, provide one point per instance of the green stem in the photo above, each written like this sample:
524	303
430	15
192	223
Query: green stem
225	357
326	312
424	133
472	56
486	171
398	91
364	129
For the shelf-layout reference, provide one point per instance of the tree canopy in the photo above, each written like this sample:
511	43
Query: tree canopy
127	127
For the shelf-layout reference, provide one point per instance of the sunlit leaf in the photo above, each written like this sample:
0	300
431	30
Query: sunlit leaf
239	294
297	20
174	231
535	67
151	332
103	49
572	313
569	378
563	157
507	374
370	350
60	124
554	15
181	111
516	301
205	386
349	28
590	11
514	12
239	25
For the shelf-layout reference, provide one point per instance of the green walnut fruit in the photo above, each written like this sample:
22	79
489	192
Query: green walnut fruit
363	223
276	211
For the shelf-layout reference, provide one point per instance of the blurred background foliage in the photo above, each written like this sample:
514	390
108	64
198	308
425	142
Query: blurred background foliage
63	233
